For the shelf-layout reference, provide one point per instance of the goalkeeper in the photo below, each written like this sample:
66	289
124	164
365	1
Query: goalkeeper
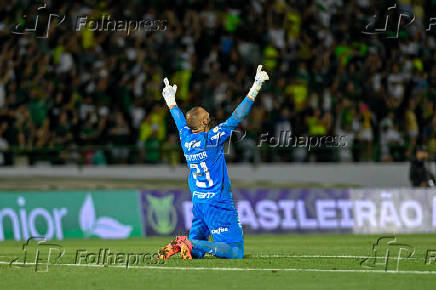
213	210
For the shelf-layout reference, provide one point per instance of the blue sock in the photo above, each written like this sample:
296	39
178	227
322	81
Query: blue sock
197	253
218	249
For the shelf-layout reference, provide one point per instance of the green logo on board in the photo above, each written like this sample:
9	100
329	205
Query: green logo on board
161	214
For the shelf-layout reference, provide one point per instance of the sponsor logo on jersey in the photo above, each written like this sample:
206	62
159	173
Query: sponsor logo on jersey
202	195
193	144
220	230
218	136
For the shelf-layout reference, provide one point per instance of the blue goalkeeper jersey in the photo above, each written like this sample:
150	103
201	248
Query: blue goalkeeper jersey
208	177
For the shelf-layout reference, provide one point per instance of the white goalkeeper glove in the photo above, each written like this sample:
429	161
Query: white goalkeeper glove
169	93
261	76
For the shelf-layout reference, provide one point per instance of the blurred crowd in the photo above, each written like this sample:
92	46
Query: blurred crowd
95	96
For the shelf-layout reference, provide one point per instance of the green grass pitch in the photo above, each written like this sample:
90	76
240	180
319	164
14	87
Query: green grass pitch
271	262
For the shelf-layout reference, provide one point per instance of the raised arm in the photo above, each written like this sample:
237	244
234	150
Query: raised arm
241	112
223	130
169	94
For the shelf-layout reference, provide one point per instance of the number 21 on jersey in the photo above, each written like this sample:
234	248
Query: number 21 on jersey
206	173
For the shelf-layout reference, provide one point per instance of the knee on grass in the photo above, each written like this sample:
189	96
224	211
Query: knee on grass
218	249
237	251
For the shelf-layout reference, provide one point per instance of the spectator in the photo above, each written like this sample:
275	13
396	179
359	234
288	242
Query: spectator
4	144
420	175
103	88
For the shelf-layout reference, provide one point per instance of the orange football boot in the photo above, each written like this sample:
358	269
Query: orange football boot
167	251
185	247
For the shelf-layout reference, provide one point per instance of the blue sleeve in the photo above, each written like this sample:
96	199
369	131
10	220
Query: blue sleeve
178	117
240	113
223	131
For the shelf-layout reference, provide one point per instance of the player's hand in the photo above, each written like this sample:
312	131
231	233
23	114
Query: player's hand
261	75
169	93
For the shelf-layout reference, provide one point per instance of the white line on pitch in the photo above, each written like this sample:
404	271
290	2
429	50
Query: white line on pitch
240	269
323	257
329	257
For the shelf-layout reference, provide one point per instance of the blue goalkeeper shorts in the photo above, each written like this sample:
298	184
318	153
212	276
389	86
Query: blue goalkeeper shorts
217	219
